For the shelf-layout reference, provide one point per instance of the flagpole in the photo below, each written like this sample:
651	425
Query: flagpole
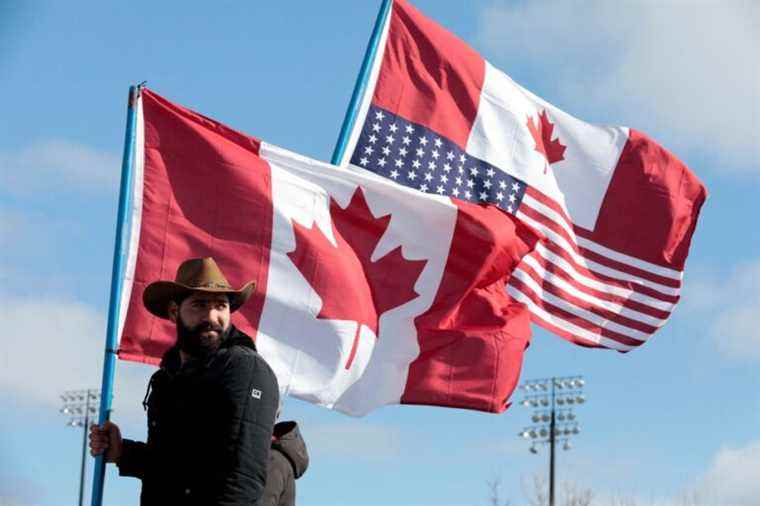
109	362
361	82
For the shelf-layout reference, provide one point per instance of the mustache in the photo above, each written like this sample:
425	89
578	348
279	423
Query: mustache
207	326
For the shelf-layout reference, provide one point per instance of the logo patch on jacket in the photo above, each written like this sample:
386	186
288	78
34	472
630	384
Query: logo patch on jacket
256	394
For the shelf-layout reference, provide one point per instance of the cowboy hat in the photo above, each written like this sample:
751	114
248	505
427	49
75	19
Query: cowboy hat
194	275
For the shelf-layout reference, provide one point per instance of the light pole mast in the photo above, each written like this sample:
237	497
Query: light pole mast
544	395
80	405
552	438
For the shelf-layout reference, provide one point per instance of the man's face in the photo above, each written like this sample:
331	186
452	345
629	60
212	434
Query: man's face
202	321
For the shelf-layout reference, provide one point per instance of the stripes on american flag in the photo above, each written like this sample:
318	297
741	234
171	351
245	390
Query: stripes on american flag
584	291
572	285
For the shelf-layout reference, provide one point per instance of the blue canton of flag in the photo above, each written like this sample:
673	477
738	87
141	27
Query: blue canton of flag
415	156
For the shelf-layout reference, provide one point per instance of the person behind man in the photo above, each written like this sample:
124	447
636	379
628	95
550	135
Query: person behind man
211	405
288	461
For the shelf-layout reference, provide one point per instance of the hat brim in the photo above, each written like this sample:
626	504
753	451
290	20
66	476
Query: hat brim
158	294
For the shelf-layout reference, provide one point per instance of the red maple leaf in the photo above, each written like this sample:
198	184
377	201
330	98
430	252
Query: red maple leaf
351	285
553	150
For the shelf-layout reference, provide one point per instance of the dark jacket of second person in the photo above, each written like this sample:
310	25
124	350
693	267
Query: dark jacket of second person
288	461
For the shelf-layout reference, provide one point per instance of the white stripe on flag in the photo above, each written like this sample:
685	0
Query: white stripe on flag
578	311
590	299
134	220
626	259
591	283
590	264
565	325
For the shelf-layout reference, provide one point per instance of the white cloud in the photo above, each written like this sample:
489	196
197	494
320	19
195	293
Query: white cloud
51	344
682	71
14	499
354	440
32	228
731	301
732	477
55	165
737	331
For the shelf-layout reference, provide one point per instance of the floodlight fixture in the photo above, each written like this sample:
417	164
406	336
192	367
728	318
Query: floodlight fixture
553	407
81	406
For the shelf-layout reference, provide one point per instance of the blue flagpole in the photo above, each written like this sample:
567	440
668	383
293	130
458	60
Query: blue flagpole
117	281
361	82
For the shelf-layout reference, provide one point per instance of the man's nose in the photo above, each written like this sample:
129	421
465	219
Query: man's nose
212	315
208	315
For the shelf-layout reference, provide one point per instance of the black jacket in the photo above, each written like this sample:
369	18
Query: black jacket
287	462
209	429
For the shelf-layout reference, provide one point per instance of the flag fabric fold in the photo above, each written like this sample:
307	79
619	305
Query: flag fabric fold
615	210
368	293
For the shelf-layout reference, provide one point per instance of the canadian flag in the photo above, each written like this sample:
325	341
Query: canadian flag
368	293
615	210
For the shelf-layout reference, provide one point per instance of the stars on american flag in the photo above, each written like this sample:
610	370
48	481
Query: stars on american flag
419	158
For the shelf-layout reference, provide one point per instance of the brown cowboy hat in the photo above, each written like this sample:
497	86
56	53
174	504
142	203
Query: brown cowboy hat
194	275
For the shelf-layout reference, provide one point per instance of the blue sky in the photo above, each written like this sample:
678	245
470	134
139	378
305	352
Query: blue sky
678	415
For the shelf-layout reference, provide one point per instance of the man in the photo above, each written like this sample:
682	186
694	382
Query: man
287	462
211	405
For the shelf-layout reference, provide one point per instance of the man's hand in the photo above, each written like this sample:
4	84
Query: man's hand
106	438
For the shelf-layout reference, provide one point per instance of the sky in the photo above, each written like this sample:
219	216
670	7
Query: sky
676	418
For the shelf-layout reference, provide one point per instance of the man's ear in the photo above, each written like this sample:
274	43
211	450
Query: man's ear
172	311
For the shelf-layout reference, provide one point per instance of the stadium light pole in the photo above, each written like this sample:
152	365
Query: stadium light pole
80	405
544	395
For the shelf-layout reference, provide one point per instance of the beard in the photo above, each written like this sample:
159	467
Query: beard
195	343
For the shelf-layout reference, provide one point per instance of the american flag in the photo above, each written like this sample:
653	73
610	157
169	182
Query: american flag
573	286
